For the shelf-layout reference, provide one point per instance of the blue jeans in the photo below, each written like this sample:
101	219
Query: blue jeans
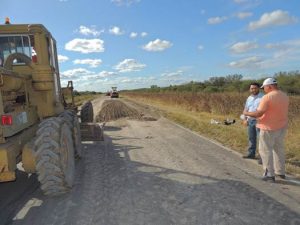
253	133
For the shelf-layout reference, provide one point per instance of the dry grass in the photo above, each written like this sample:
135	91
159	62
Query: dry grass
79	99
195	111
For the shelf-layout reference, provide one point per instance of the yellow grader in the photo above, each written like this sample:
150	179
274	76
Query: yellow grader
38	126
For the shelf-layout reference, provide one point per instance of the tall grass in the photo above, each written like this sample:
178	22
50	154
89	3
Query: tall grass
227	104
224	105
80	99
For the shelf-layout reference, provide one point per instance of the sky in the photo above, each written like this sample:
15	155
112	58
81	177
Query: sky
138	43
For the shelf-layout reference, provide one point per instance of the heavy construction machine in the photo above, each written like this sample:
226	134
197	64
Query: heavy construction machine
39	123
114	93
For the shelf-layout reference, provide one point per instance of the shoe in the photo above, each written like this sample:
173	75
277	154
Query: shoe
280	176
249	157
268	179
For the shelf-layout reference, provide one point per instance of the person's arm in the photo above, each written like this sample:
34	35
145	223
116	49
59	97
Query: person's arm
246	108
257	113
262	108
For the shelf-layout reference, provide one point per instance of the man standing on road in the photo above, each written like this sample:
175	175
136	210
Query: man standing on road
251	106
272	114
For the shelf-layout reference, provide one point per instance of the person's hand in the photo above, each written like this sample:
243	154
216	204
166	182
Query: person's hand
245	112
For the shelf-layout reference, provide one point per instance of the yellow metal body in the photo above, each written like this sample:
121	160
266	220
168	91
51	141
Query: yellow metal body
28	158
68	97
29	91
11	153
7	162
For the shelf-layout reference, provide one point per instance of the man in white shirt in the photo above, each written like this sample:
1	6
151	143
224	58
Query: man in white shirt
251	105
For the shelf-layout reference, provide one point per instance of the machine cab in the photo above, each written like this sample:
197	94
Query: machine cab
30	50
10	44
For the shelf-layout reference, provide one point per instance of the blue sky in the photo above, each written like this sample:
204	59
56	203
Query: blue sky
139	43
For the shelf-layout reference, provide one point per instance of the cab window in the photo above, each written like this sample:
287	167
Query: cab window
15	44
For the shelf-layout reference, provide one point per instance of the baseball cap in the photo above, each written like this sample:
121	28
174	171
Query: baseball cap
268	81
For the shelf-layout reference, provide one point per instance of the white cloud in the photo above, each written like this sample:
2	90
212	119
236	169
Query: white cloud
129	65
89	31
171	80
243	15
283	54
274	46
242	47
285	44
178	73
127	80
240	1
85	45
144	34
116	31
133	34
278	55
216	20
287	50
62	58
247	63
274	18
200	47
91	62
157	45
134	82
104	73
75	73
176	77
124	2
81	76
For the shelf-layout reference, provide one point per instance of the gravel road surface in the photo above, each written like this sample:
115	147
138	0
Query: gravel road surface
158	173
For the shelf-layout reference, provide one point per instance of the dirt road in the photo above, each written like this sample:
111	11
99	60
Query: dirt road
155	172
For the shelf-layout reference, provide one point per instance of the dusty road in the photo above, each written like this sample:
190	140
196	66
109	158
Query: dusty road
155	172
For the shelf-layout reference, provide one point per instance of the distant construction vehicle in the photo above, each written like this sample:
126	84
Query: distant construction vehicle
114	93
39	124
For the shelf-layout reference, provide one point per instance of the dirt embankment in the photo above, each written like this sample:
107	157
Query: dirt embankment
115	109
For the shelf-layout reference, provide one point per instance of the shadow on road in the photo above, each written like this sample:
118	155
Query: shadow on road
13	195
111	189
112	128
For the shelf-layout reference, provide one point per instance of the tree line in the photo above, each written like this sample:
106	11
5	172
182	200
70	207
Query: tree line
287	81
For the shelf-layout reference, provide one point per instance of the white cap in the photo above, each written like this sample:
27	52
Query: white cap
269	81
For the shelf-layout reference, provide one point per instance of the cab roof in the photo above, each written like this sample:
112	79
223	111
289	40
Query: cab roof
23	29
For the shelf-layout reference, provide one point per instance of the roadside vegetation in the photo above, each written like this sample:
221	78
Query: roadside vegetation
195	105
81	97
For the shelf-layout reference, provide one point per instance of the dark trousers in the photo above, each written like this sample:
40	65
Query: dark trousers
253	133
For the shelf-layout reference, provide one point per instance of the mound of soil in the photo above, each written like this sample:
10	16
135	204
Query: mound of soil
115	109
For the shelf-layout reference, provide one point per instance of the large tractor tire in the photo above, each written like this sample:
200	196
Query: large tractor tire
54	153
72	120
87	113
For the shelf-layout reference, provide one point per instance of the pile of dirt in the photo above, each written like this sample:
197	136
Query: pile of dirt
115	109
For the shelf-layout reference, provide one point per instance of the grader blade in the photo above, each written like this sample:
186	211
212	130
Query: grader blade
91	131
